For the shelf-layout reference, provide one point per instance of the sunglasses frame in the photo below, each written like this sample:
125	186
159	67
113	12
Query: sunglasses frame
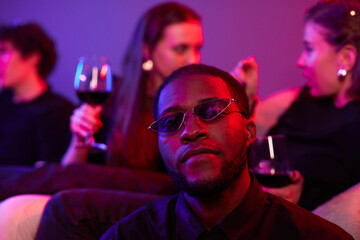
193	111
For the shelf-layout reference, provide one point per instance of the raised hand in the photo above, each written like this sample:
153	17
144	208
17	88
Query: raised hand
291	192
85	121
247	73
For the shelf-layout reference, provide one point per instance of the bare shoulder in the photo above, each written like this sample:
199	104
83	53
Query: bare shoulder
268	110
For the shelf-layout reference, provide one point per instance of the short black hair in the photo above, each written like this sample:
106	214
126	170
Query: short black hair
236	90
29	38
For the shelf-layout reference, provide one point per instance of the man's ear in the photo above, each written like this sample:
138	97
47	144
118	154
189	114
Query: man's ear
347	57
250	132
33	59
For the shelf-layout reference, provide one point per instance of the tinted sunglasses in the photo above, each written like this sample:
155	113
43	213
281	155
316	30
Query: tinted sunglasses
206	111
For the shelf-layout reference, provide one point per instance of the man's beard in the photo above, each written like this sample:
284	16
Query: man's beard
230	172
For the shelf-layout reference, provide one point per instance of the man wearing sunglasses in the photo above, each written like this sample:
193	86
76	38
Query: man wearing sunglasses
204	131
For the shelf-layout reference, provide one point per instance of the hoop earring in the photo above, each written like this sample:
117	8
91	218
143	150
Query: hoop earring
147	65
342	74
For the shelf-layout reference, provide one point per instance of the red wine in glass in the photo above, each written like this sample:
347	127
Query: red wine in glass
93	84
93	98
269	161
273	181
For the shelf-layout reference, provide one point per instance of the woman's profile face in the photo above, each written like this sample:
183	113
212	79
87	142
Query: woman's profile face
319	62
180	45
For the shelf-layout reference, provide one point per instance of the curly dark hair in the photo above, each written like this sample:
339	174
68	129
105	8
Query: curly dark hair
30	38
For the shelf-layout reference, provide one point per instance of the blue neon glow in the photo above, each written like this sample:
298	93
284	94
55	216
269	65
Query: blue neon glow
78	72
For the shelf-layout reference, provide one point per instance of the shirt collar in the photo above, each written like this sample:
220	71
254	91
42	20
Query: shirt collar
188	226
243	220
239	224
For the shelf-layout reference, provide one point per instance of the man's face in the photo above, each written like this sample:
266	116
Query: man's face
203	157
13	66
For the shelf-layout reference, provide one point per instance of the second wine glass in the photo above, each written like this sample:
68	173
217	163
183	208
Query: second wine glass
93	85
269	161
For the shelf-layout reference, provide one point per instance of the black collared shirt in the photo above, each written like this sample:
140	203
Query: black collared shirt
258	216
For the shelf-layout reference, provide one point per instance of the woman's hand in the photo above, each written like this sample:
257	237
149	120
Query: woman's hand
247	73
291	192
85	121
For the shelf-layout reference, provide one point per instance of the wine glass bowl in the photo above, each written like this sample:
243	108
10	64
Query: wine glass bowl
269	161
93	85
93	80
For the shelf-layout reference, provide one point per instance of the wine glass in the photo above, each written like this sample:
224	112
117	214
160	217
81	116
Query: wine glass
269	161
93	84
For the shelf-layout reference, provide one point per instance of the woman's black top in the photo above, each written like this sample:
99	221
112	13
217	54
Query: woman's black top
323	144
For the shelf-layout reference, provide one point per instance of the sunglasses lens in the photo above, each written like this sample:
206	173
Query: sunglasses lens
212	109
205	111
169	123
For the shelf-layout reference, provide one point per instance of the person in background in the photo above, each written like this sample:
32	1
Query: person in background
321	120
34	121
204	131
166	37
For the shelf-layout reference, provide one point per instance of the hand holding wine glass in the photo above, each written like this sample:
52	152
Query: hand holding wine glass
269	161
271	166
93	84
291	192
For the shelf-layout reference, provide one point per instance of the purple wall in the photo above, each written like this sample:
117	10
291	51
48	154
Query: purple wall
269	30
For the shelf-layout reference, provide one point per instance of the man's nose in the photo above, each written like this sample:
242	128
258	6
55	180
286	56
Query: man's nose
194	57
193	130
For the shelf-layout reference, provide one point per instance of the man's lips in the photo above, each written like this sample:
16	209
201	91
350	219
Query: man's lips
193	152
